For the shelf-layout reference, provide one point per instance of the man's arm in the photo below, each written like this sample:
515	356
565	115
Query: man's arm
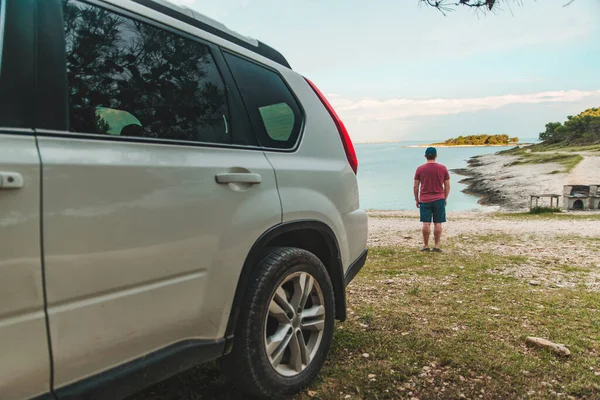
416	191
447	188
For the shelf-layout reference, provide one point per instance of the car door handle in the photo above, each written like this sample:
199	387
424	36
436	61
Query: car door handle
10	180
238	177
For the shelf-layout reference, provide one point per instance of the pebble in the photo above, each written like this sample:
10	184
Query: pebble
535	283
365	355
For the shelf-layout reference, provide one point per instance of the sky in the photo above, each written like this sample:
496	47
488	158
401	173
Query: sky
394	70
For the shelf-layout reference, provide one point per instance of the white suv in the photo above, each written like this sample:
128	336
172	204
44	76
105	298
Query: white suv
171	192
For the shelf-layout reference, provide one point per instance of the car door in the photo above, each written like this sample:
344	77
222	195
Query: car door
24	357
152	198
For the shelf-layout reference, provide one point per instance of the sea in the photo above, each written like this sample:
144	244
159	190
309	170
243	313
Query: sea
386	172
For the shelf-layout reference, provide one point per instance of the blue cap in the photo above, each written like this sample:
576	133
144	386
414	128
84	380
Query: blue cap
431	151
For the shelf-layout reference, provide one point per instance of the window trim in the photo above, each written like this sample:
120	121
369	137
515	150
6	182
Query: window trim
133	139
2	26
17	81
214	52
296	145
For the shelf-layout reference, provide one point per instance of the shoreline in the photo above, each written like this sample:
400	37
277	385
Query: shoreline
497	182
468	145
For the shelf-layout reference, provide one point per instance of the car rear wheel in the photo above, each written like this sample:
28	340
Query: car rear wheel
285	326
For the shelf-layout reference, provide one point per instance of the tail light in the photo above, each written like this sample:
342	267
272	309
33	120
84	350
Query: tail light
346	141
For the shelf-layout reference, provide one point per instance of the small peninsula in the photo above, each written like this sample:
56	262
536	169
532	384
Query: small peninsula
482	140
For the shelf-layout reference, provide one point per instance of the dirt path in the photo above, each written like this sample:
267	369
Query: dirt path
586	172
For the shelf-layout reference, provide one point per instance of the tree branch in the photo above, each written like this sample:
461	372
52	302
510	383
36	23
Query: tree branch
484	6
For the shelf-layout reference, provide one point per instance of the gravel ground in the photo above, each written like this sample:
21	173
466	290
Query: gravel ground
561	252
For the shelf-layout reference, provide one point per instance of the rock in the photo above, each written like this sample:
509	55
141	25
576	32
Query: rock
371	376
405	333
535	283
311	393
389	281
365	355
557	348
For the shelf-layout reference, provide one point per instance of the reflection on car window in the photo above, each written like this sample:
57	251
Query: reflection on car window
273	110
129	78
112	122
278	120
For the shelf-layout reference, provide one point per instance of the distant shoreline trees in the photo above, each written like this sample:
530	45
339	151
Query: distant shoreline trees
583	128
481	140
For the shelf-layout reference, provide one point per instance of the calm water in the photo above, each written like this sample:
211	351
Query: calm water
386	172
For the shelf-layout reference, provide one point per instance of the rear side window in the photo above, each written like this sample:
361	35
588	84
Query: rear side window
129	78
274	112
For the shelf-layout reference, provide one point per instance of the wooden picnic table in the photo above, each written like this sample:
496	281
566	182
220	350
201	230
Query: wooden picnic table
537	197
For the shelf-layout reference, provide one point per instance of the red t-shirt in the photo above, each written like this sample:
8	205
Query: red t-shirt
432	177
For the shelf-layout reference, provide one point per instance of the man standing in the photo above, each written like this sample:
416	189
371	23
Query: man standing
434	182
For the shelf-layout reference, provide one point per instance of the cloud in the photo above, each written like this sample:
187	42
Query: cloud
368	109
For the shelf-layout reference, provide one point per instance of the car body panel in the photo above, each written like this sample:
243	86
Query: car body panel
142	247
316	181
24	357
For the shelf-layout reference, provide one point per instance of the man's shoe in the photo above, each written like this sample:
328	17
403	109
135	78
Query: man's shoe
426	249
437	250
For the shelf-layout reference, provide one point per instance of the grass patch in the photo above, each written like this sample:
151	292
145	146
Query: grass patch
540	148
544	210
568	161
562	147
559	216
463	334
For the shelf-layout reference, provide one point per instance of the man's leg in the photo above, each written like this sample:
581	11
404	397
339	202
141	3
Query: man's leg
426	233
439	217
437	234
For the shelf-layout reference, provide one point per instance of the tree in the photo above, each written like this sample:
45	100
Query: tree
583	128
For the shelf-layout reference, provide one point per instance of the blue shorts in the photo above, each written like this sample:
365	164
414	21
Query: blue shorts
434	211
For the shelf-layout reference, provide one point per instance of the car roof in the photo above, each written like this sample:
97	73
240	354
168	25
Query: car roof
216	28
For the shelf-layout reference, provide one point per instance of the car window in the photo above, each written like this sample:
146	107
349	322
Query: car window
274	112
129	78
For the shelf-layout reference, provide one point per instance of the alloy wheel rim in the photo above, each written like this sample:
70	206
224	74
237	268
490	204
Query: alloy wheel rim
295	324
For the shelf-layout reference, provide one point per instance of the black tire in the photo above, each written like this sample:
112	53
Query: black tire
248	366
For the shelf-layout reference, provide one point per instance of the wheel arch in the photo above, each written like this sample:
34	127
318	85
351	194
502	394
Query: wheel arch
313	236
